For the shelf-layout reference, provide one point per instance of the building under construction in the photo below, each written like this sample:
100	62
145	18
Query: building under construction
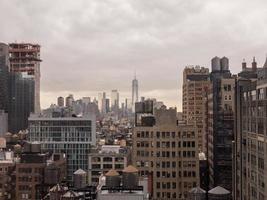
24	84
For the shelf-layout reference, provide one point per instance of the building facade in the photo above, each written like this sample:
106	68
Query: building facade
195	83
251	130
167	153
220	124
72	135
109	157
135	97
31	174
24	84
4	72
114	101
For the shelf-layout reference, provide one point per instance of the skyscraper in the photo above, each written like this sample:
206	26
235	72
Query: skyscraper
4	71
114	100
24	84
134	91
60	101
195	82
69	100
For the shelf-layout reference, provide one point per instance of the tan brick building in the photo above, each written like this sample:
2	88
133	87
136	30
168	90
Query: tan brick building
168	154
195	83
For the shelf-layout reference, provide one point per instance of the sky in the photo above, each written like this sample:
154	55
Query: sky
91	46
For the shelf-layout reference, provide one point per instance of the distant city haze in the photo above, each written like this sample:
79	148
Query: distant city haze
93	46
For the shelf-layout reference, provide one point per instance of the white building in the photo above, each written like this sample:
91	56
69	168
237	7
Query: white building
71	135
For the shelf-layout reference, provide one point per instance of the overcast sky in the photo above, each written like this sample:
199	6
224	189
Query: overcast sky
90	46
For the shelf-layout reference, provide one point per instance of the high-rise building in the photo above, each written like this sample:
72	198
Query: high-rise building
102	103
72	135
114	100
69	100
167	153
3	123
86	100
24	84
195	83
251	129
60	101
134	91
4	72
107	105
220	123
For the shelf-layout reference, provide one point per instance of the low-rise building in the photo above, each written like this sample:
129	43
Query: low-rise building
33	176
108	157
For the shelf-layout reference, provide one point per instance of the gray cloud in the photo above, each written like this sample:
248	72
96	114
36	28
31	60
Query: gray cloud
91	46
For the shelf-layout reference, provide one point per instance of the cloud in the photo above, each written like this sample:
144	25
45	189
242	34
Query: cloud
91	46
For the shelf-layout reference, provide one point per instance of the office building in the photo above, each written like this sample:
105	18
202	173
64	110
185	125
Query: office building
72	135
167	153
114	101
86	100
102	103
220	123
24	84
195	83
60	102
251	130
69	101
4	73
107	105
108	157
135	97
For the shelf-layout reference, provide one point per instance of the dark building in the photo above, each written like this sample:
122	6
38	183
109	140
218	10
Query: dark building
24	84
220	124
33	174
251	130
4	67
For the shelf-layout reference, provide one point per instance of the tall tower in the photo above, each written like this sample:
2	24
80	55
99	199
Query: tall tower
4	67
114	100
24	84
195	80
134	91
220	123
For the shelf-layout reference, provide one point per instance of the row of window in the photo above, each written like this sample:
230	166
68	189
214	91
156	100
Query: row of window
167	154
147	134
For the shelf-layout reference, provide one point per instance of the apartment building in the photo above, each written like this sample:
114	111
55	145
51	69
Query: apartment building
251	130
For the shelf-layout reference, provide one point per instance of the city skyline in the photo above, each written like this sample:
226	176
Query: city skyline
150	37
